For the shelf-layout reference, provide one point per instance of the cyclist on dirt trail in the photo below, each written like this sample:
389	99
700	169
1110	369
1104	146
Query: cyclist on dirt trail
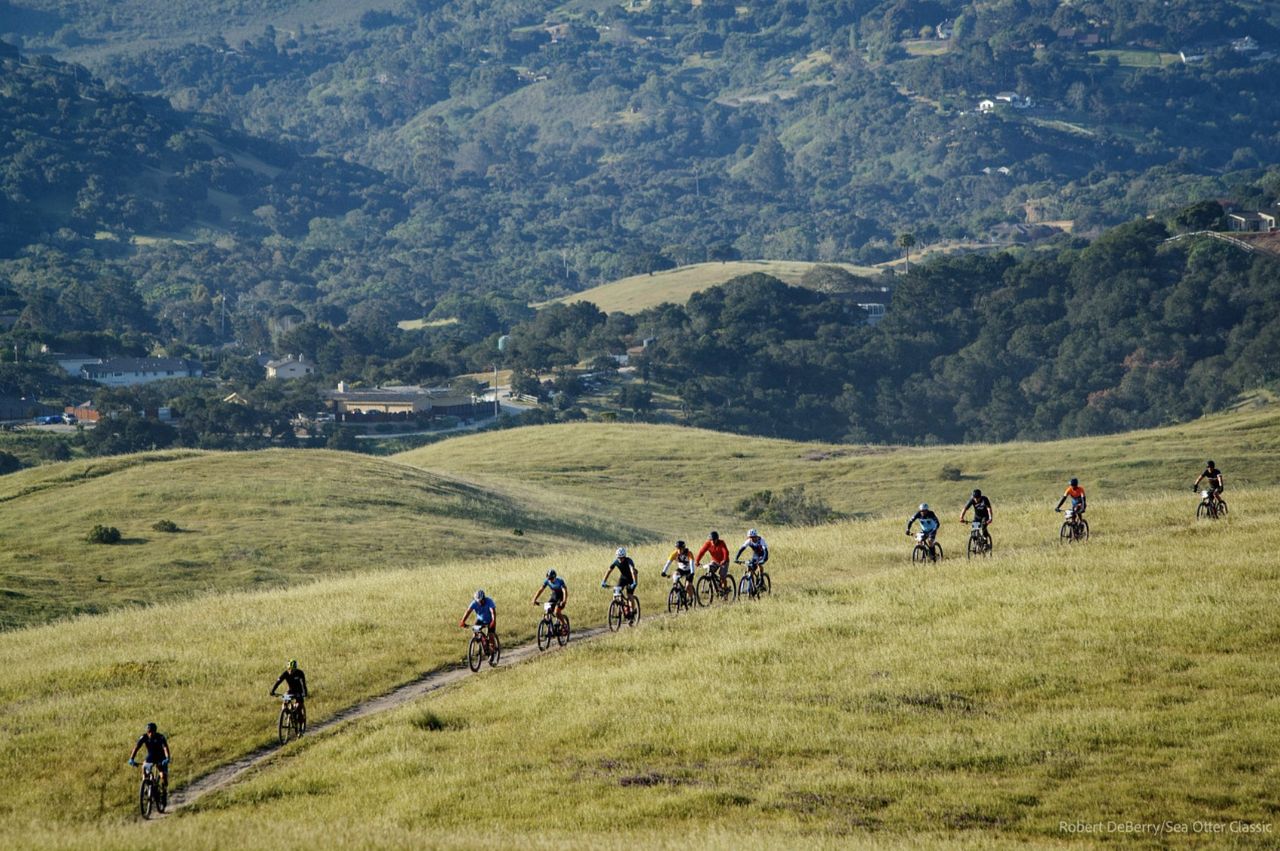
559	596
628	576
719	552
295	684
1213	476
982	511
759	550
157	753
486	613
1076	494
928	523
682	558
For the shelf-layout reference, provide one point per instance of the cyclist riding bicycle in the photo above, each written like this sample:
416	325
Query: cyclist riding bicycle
1076	494
1213	477
486	613
157	753
982	512
295	685
628	576
759	550
928	523
718	550
682	558
559	596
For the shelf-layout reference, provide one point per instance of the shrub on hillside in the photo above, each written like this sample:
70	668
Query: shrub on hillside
950	473
9	463
104	535
165	526
788	507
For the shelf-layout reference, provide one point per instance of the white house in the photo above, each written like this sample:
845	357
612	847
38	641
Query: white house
72	363
289	367
124	372
986	105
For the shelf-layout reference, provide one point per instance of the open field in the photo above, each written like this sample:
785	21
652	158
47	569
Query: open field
249	520
868	702
676	285
659	475
1138	58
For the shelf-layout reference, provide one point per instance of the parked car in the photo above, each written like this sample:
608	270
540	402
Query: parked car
50	419
69	419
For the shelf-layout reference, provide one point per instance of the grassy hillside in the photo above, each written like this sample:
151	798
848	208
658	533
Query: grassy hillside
248	520
683	479
868	702
638	292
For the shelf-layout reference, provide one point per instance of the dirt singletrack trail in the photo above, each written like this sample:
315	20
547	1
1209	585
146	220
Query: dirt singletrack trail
225	775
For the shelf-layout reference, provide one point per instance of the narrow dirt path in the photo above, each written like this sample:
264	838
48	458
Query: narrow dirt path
225	775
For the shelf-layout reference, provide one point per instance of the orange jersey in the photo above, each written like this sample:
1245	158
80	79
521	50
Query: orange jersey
1075	492
718	550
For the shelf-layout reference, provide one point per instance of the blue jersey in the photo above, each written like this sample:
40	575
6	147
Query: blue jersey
484	610
556	585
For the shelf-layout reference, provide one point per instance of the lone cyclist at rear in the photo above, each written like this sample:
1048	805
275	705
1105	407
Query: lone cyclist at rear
559	596
627	575
295	685
157	753
982	512
1211	476
1075	493
928	523
486	612
759	550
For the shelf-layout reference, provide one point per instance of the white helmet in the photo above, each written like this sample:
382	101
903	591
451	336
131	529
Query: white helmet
622	551
752	533
924	506
480	595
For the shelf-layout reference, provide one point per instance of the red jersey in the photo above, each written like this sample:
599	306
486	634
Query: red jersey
718	550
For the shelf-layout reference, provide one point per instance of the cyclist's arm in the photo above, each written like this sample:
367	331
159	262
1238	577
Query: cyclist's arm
608	573
738	554
1199	479
279	680
306	692
698	561
1059	505
539	594
465	615
764	551
136	748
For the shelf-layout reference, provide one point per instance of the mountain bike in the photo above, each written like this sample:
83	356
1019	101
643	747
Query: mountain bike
551	629
925	550
293	719
623	608
1074	528
979	543
483	645
683	594
1211	506
710	589
154	792
755	582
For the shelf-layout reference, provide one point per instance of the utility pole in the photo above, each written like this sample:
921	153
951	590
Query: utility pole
495	390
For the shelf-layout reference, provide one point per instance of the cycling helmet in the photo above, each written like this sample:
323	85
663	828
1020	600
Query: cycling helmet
1075	483
151	727
551	574
977	492
1208	463
679	545
924	506
621	552
479	595
752	533
715	536
293	663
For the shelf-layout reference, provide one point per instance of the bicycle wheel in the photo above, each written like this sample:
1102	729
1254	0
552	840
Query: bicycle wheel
919	554
635	611
1082	532
562	635
495	653
144	799
284	726
162	796
693	596
675	600
615	616
1222	508
475	653
301	720
1203	511
766	585
731	591
936	555
973	548
544	634
705	591
746	587
1065	534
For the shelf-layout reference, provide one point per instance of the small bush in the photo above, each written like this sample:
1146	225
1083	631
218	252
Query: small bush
104	535
165	526
789	507
950	473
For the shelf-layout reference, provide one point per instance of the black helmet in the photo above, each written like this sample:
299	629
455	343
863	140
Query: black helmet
1075	483
1208	463
977	492
551	574
715	536
679	545
151	727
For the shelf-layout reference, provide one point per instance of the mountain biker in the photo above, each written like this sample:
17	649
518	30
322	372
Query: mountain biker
628	576
982	512
559	596
295	684
718	550
682	557
486	613
1076	494
759	550
1213	476
157	753
928	523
